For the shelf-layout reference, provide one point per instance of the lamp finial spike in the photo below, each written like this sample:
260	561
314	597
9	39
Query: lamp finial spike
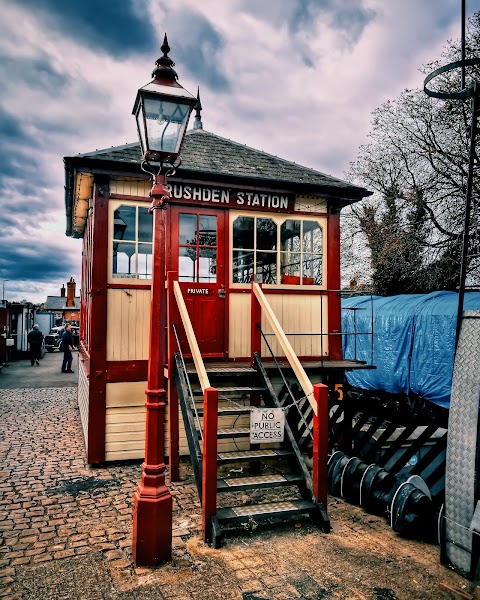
164	65
198	112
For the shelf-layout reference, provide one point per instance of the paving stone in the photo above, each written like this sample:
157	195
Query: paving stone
66	543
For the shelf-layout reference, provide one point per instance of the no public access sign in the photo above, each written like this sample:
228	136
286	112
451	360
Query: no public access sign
267	425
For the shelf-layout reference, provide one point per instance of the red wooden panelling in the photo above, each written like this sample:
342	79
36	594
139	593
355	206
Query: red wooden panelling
126	370
333	283
209	468
123	286
320	444
256	322
98	324
173	317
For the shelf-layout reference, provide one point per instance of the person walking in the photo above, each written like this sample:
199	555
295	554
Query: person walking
67	347
35	339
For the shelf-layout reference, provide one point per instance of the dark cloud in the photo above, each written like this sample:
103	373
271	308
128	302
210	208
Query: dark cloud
116	27
198	51
10	129
302	16
39	73
7	221
28	259
14	138
349	17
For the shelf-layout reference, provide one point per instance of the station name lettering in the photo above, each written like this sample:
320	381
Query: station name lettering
233	198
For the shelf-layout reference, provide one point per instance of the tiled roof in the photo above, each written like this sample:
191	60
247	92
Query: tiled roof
209	154
59	303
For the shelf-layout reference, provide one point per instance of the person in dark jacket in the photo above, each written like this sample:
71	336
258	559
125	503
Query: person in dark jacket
67	347
35	339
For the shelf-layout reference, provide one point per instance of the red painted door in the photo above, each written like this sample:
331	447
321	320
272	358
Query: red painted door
198	256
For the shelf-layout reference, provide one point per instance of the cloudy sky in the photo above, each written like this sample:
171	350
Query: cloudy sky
295	78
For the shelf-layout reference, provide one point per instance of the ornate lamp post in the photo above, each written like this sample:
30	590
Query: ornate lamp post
162	109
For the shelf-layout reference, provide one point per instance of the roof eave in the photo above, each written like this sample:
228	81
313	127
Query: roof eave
339	195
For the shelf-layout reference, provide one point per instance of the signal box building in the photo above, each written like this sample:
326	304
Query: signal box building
236	215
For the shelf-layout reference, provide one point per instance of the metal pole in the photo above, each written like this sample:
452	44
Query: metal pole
463	45
152	513
468	204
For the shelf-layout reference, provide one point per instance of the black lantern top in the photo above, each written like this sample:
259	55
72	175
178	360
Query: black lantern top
162	109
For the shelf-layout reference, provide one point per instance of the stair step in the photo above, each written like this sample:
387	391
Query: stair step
228	410
231	432
222	371
224	457
264	511
234	484
231	389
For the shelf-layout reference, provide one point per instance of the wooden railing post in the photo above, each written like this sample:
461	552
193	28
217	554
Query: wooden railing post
172	393
320	444
209	465
256	322
292	358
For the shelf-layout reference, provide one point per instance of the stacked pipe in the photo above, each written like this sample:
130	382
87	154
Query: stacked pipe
404	499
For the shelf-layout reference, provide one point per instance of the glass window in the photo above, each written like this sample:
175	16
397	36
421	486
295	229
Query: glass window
197	248
132	242
254	249
243	232
301	252
288	253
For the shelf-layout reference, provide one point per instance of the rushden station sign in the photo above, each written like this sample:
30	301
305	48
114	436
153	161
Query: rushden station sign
231	198
266	425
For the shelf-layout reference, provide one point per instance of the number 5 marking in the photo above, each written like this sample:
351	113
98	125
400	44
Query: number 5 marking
339	390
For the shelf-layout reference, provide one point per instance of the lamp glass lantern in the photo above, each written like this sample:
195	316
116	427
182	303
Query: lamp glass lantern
162	110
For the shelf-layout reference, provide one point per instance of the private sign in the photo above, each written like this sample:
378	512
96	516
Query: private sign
267	425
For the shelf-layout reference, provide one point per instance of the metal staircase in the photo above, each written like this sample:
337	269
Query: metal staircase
249	482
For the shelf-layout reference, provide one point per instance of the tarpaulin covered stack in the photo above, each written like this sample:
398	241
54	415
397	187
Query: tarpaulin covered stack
413	342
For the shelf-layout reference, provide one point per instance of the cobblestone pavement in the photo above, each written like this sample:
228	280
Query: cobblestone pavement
65	531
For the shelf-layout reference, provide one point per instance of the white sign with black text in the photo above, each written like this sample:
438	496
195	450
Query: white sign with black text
267	425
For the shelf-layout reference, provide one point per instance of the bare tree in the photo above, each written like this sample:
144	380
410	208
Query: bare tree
417	163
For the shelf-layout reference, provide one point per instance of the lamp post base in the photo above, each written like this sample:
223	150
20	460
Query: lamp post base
152	521
152	501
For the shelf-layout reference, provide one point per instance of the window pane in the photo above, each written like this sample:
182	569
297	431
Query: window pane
145	225
208	231
187	264
290	236
243	233
187	225
312	237
312	269
144	261
207	265
124	223
266	266
242	266
123	259
266	234
290	265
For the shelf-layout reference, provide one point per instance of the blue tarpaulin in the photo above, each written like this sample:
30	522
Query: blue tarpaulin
413	342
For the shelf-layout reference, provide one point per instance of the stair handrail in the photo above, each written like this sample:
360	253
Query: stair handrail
192	340
290	354
187	381
208	476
